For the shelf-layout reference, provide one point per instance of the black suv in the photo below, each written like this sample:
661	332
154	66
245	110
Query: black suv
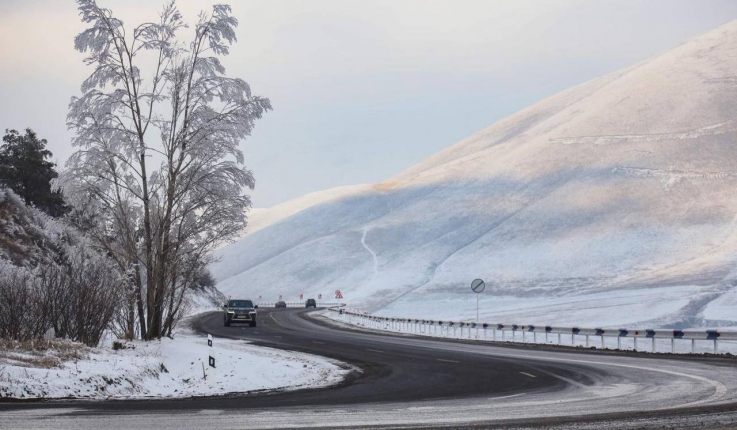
240	311
311	303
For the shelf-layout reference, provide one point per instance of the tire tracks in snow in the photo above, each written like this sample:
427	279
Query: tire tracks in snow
373	254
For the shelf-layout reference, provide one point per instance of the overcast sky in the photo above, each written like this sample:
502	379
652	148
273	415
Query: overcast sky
361	89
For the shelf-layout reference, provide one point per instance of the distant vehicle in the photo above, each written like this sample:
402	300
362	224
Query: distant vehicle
280	304
311	303
240	311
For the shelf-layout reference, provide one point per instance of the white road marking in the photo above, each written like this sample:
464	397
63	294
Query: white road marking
321	343
448	361
277	322
528	374
374	350
564	379
506	397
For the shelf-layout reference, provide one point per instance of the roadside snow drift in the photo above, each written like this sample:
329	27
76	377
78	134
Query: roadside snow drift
616	198
161	369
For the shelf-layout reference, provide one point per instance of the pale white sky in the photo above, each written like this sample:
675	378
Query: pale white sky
361	89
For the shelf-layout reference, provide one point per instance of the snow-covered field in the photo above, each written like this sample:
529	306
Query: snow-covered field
165	368
644	307
611	203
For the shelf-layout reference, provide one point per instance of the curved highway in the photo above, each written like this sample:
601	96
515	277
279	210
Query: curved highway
406	381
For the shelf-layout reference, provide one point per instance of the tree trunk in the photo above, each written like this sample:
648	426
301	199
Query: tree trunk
131	323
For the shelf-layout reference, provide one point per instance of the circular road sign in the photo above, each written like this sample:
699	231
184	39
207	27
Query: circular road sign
478	285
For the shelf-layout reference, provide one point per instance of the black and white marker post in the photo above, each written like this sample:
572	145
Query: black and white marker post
211	360
477	286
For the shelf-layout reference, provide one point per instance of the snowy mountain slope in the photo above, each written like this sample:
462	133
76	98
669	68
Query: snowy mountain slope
624	186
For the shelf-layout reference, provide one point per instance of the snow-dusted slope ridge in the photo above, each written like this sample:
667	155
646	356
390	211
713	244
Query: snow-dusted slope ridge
624	186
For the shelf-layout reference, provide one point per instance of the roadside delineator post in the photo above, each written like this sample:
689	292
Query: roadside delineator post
210	361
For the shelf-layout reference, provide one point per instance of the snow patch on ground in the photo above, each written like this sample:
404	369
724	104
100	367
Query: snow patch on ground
202	300
170	368
600	309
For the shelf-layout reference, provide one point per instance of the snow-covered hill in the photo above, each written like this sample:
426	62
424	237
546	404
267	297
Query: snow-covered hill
613	202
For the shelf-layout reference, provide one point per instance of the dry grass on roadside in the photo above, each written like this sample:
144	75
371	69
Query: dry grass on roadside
40	353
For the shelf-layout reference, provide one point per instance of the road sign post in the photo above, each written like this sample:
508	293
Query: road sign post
477	286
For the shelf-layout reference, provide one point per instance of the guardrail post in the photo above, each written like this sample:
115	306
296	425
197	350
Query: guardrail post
573	342
546	338
523	336
673	345
716	347
534	337
493	333
635	343
587	341
558	338
652	347
504	336
693	346
603	345
619	342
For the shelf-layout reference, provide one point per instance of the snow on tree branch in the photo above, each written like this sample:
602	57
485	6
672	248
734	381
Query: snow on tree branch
158	126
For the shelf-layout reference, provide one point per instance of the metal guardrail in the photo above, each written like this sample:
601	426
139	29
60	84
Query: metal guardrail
473	330
299	304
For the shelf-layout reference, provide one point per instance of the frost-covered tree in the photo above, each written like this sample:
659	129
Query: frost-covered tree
159	178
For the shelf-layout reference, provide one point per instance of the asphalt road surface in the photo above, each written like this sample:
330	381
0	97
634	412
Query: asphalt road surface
405	381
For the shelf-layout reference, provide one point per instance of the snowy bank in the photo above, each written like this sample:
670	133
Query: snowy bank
167	368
